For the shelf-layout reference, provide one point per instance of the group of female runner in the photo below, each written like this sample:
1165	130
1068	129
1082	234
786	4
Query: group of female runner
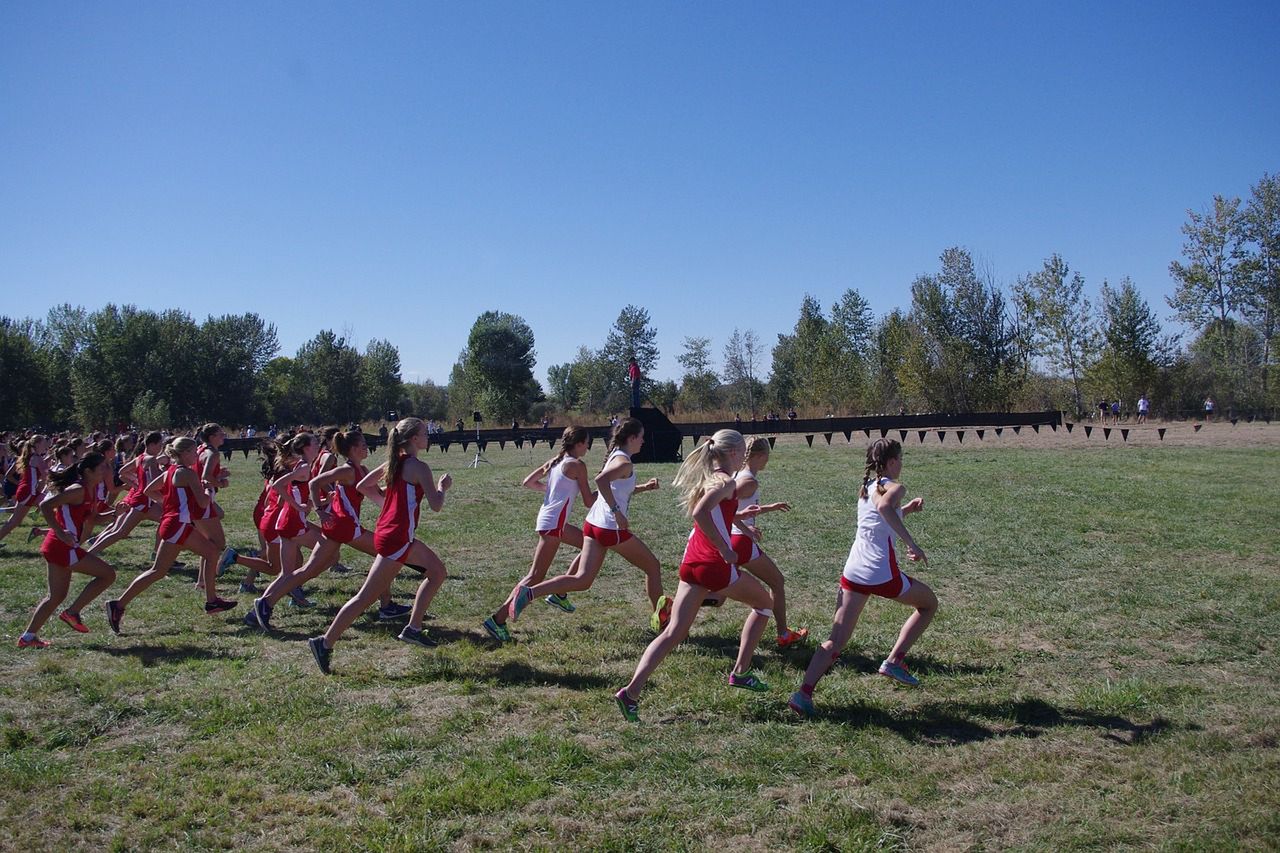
175	485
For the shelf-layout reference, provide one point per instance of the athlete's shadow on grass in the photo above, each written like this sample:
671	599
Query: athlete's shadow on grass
150	655
797	657
953	723
503	674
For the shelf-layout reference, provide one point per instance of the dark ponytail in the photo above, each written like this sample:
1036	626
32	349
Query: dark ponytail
880	453
344	441
72	474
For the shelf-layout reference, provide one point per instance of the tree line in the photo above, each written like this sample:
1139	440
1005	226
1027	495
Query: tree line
964	343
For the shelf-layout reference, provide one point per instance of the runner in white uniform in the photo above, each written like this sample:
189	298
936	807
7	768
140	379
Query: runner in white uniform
607	528
872	569
566	477
746	539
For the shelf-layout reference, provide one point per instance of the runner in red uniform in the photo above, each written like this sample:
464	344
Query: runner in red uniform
66	509
180	490
407	481
710	496
340	525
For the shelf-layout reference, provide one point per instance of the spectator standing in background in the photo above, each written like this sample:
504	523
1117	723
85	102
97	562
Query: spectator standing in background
633	373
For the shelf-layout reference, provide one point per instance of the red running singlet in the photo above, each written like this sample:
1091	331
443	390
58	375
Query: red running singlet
398	521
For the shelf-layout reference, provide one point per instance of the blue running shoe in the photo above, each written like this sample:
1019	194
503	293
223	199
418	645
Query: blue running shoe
393	611
801	704
519	602
227	561
262	614
898	673
496	631
416	637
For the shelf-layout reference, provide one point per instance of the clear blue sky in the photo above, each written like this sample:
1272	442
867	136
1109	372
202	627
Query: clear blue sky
393	170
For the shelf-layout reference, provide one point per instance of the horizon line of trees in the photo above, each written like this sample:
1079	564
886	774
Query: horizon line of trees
963	344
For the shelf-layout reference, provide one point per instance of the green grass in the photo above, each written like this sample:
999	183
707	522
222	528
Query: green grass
1102	673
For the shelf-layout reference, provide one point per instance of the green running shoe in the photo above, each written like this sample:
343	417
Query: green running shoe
629	707
661	614
747	681
561	601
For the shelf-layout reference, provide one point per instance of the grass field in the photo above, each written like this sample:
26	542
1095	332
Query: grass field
1102	673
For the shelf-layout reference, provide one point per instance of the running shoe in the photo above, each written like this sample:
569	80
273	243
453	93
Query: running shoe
321	653
898	673
35	533
498	632
73	619
629	707
519	601
218	605
228	560
661	614
792	637
417	637
299	599
712	601
339	569
259	615
248	587
747	681
33	643
114	614
561	601
178	564
393	611
801	704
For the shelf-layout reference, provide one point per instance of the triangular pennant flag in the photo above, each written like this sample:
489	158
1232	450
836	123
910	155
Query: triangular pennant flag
848	435
519	444
942	436
981	432
999	431
902	434
868	432
533	443
922	435
1106	433
502	445
772	439
696	436
1197	427
827	436
1233	421
960	435
1054	426
1124	433
464	445
883	433
1069	427
590	441
1088	431
1017	430
809	438
1036	427
1161	431
483	445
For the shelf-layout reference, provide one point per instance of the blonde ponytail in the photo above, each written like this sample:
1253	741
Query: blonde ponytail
699	467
